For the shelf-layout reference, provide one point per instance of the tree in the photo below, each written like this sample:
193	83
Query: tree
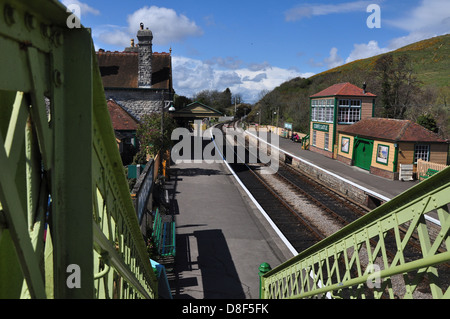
398	84
150	137
215	99
428	121
181	101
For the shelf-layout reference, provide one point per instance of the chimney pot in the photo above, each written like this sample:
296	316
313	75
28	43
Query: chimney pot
145	38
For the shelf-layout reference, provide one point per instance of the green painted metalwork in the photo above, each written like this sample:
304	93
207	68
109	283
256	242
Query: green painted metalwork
355	262
68	228
164	234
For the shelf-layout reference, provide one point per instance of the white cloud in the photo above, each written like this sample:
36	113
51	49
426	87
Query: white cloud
257	78
166	25
309	10
84	8
431	18
362	51
191	76
112	35
334	60
231	63
430	15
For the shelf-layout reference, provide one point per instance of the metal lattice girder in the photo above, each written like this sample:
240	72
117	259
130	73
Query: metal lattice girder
346	264
64	200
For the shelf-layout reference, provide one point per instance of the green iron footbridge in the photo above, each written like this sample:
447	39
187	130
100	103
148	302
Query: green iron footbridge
397	251
68	227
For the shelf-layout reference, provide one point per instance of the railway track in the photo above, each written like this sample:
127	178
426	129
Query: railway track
300	231
297	230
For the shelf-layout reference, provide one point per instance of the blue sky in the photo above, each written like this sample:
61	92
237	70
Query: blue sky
253	46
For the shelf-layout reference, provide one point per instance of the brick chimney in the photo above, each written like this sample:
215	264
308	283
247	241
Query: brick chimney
145	38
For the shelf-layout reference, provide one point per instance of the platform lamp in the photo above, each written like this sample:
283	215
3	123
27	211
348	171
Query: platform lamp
164	104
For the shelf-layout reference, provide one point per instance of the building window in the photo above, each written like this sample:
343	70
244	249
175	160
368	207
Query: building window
314	139
327	141
322	110
423	152
349	111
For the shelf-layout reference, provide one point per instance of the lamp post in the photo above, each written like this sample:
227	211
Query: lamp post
278	116
171	109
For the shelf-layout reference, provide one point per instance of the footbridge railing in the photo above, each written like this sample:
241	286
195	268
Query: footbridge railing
374	257
68	228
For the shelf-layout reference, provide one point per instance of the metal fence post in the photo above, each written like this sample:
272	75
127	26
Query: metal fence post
264	268
72	176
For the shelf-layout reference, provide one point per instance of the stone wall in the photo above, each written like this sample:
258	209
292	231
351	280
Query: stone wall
137	102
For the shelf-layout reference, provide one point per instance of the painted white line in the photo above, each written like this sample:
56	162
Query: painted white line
263	212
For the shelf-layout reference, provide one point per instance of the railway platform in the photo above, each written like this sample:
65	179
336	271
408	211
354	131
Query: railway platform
222	238
387	189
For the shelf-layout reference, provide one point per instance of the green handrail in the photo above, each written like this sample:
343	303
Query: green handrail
68	228
355	262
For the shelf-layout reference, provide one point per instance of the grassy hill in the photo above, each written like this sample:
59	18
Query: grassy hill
430	61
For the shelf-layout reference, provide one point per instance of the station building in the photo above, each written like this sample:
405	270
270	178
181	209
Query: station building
381	145
343	127
333	109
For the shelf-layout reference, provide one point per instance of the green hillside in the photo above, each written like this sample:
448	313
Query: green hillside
430	59
430	65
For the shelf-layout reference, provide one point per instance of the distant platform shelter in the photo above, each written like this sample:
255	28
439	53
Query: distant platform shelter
186	116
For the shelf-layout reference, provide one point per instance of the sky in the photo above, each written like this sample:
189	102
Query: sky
250	46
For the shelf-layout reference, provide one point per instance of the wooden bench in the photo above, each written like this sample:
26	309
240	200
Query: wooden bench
430	172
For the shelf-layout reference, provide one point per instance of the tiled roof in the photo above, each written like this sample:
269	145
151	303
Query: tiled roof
343	89
120	69
392	130
121	119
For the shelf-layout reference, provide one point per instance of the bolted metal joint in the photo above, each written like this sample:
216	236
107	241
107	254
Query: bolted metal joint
9	15
3	223
30	21
58	78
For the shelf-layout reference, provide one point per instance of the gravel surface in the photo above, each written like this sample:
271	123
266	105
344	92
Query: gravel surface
328	226
317	216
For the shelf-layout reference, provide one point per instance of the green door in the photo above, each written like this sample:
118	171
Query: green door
363	153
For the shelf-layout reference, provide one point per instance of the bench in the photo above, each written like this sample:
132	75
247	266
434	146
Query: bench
164	233
430	172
